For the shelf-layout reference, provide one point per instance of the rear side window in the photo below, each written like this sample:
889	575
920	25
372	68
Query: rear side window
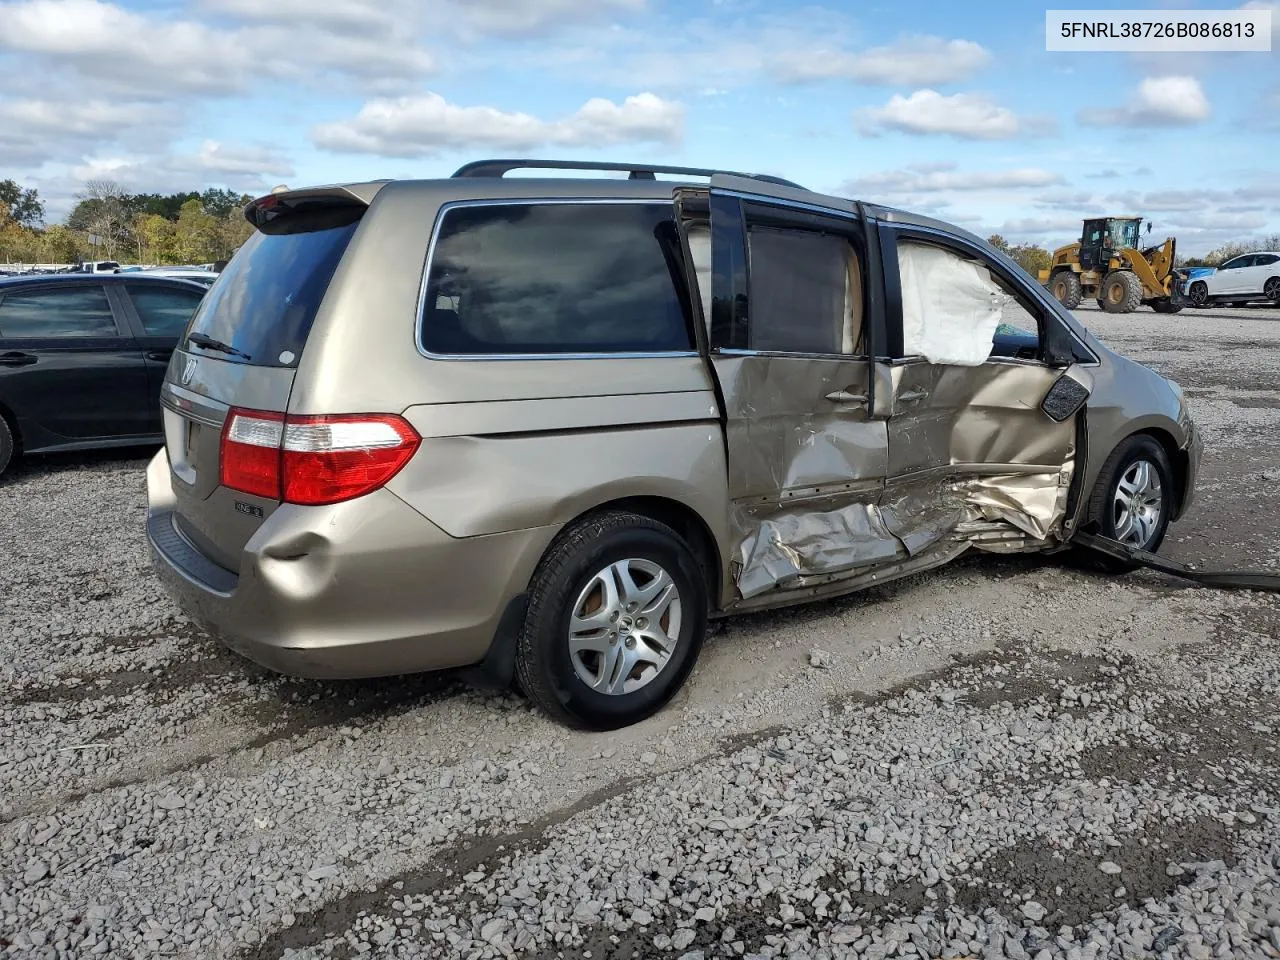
806	292
266	299
554	278
80	311
164	311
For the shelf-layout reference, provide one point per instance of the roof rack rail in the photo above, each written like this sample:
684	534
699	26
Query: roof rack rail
636	171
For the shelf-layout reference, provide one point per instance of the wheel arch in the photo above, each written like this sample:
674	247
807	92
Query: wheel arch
1179	463
685	521
497	670
11	419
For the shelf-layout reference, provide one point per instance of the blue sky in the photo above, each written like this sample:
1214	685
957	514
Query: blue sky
947	108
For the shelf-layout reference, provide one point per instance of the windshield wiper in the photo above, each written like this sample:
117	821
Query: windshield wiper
210	343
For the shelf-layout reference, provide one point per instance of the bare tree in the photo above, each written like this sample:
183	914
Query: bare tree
105	211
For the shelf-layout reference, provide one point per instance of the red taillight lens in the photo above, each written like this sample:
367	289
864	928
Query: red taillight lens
330	459
251	452
314	460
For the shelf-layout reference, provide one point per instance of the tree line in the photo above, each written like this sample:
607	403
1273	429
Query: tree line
109	223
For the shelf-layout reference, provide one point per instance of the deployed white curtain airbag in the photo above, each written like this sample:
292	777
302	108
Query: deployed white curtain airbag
950	306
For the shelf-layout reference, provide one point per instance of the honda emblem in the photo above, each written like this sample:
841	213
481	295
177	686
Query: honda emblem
189	370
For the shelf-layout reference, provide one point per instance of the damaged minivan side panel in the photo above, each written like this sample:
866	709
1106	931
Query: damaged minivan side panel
849	459
963	415
790	346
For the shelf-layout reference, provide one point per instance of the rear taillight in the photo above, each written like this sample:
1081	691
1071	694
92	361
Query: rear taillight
313	460
251	452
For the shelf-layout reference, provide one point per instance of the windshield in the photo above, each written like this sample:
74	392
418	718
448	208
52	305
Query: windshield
1124	233
267	297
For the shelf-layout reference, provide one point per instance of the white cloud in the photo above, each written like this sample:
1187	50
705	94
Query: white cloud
1073	200
238	167
1024	227
1158	102
427	125
31	131
151	57
468	18
913	61
1275	18
944	178
124	48
1218	220
522	17
968	116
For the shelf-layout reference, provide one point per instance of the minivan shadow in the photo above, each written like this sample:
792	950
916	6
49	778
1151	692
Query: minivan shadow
290	706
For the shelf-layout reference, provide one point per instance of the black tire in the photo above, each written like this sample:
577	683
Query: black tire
1271	289
1166	306
1199	294
544	665
8	445
1121	292
1065	287
1101	513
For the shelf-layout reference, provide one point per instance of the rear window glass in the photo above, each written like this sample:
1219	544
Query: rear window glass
164	311
549	278
77	311
266	299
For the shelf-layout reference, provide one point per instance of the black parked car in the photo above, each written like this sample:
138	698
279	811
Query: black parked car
82	358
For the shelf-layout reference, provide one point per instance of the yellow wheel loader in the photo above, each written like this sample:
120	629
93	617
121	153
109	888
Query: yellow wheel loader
1107	265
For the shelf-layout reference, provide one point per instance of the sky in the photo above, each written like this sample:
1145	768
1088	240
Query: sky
950	109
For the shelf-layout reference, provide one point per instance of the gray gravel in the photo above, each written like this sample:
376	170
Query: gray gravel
1008	758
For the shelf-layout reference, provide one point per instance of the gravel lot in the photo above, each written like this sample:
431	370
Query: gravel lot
1007	758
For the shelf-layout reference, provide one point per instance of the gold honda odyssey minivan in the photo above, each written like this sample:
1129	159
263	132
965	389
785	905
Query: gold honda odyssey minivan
545	428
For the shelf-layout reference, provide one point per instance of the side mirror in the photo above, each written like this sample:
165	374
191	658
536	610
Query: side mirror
1064	399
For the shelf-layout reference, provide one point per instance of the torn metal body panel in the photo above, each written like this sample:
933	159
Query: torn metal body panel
928	519
964	451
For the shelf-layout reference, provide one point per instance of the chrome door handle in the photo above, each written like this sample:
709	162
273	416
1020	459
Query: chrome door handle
912	395
844	396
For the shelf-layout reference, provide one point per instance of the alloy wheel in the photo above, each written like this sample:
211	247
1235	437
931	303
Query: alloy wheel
624	626
1138	504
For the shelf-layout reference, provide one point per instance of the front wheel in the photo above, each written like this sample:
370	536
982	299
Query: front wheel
1271	289
1065	287
617	616
1199	293
1132	501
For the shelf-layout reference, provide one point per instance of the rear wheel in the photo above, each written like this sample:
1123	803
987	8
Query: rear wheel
1065	287
1271	289
1199	293
1121	292
7	445
1132	501
617	616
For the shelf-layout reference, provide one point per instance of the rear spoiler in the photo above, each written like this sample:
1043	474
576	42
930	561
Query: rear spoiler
313	208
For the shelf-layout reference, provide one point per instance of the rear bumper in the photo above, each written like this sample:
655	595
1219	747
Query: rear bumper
366	588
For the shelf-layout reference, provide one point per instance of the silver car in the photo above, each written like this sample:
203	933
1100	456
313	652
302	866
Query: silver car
544	429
